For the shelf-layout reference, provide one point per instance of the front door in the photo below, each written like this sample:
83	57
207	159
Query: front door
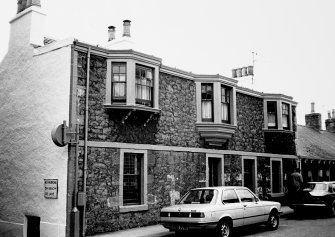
249	174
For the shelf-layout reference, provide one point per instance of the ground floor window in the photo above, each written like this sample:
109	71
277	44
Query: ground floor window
133	177
276	176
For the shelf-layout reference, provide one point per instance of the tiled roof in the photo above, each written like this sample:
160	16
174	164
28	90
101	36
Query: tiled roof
315	144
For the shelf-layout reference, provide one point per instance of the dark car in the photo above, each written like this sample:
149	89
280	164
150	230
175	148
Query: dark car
318	195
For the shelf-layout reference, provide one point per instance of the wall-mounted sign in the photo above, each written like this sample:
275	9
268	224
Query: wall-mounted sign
51	188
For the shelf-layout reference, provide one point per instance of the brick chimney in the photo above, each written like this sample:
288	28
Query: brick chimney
330	122
126	28
111	33
27	27
313	119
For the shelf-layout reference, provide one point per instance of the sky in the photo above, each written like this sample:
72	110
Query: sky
294	39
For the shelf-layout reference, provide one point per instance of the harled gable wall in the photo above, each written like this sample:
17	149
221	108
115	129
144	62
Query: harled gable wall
34	95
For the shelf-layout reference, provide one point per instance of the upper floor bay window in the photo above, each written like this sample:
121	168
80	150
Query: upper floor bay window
285	116
225	104
207	102
144	85
119	77
272	114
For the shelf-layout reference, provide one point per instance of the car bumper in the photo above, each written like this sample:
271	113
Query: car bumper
181	226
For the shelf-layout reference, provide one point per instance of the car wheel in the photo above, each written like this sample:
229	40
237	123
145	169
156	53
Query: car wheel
273	221
224	229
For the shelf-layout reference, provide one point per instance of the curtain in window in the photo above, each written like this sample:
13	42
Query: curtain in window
271	119
207	109
224	112
285	115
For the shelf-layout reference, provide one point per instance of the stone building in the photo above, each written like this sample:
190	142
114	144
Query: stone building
146	134
316	147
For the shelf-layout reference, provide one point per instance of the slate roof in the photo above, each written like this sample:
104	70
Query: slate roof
315	144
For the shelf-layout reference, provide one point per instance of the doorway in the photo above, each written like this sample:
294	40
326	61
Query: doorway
214	171
249	172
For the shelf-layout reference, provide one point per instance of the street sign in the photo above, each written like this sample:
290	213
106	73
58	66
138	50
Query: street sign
51	188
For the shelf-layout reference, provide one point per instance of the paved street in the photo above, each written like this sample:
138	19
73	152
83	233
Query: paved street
291	225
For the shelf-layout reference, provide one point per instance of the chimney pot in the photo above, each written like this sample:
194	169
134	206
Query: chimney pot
111	33
126	28
333	113
312	107
329	114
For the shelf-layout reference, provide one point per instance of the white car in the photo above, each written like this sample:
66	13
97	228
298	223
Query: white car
219	208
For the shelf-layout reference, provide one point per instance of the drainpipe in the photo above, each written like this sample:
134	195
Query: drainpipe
86	135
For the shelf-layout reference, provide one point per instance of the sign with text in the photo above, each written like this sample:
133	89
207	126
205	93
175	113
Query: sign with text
51	188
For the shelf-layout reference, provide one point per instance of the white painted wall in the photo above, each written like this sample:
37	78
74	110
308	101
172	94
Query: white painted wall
34	98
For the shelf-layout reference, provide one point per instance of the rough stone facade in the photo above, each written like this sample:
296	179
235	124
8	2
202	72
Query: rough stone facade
263	177
175	126
170	175
280	143
249	134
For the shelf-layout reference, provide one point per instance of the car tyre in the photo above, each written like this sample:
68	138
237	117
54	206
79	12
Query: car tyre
273	221
224	228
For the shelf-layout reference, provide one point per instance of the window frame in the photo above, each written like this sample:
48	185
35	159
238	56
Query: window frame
272	113
227	100
288	115
144	182
141	101
206	99
118	99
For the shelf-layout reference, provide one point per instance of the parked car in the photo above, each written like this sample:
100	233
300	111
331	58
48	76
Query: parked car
220	208
316	195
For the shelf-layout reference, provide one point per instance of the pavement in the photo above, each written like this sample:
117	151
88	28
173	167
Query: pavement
156	229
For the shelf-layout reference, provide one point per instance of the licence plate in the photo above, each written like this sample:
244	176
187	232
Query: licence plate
180	227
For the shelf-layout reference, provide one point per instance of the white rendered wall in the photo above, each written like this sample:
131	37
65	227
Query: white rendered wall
34	98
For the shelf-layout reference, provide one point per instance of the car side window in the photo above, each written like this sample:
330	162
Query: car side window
229	196
245	195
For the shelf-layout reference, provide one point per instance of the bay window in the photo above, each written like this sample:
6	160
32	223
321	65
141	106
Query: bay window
207	102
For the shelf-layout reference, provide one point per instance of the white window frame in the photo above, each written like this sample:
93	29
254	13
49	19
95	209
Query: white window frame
131	81
144	184
255	171
215	156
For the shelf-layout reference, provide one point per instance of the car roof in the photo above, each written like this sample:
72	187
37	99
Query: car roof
219	187
322	182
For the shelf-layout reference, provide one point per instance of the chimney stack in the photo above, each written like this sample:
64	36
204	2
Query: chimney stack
126	28
24	4
313	119
330	122
312	107
111	33
329	114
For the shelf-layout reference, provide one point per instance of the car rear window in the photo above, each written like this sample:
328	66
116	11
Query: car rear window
320	187
199	196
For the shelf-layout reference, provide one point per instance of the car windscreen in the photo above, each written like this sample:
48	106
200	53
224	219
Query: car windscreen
199	196
320	187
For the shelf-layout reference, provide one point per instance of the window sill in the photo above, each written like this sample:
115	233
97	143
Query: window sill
132	107
277	130
215	134
134	208
277	194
